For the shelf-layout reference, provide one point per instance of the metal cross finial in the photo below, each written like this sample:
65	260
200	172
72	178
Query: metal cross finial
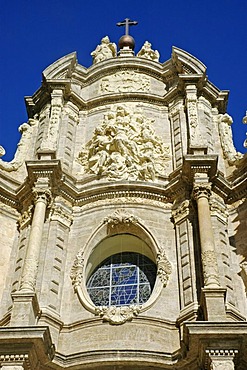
127	22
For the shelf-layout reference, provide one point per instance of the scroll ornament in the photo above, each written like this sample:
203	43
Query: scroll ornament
125	147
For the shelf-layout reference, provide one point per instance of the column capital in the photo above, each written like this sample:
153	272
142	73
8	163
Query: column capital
41	191
201	190
42	195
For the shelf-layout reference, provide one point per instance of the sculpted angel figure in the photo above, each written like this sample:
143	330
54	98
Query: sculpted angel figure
148	53
104	51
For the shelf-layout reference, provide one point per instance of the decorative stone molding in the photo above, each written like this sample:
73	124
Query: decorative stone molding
117	315
210	271
181	211
221	359
148	53
104	51
225	121
15	361
120	216
126	200
125	81
125	147
164	268
202	190
76	274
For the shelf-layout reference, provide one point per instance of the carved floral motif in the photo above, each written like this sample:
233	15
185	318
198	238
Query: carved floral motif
225	121
104	51
125	81
117	315
164	268
125	147
76	274
121	216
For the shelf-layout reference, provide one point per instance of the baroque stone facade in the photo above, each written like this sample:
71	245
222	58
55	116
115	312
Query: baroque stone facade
123	219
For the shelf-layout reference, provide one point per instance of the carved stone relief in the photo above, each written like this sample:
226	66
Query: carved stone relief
225	121
117	315
191	99
50	141
164	268
120	216
148	53
210	271
76	274
125	147
125	81
104	51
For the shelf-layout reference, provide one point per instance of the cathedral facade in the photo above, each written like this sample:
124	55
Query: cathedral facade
123	220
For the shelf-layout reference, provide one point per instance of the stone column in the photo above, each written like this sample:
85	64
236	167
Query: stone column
202	193
29	274
213	296
221	359
25	305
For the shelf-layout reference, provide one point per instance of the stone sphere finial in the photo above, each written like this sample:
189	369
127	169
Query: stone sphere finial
126	41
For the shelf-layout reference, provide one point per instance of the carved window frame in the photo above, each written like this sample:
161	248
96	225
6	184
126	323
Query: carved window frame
117	226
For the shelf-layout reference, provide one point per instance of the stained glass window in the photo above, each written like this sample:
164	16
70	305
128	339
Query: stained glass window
122	279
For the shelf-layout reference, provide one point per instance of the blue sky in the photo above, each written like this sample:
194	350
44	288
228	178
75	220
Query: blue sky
35	33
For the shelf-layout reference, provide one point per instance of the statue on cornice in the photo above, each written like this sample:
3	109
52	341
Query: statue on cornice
104	51
230	153
26	131
148	53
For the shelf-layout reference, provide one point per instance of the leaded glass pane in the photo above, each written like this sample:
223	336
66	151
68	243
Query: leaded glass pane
122	279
